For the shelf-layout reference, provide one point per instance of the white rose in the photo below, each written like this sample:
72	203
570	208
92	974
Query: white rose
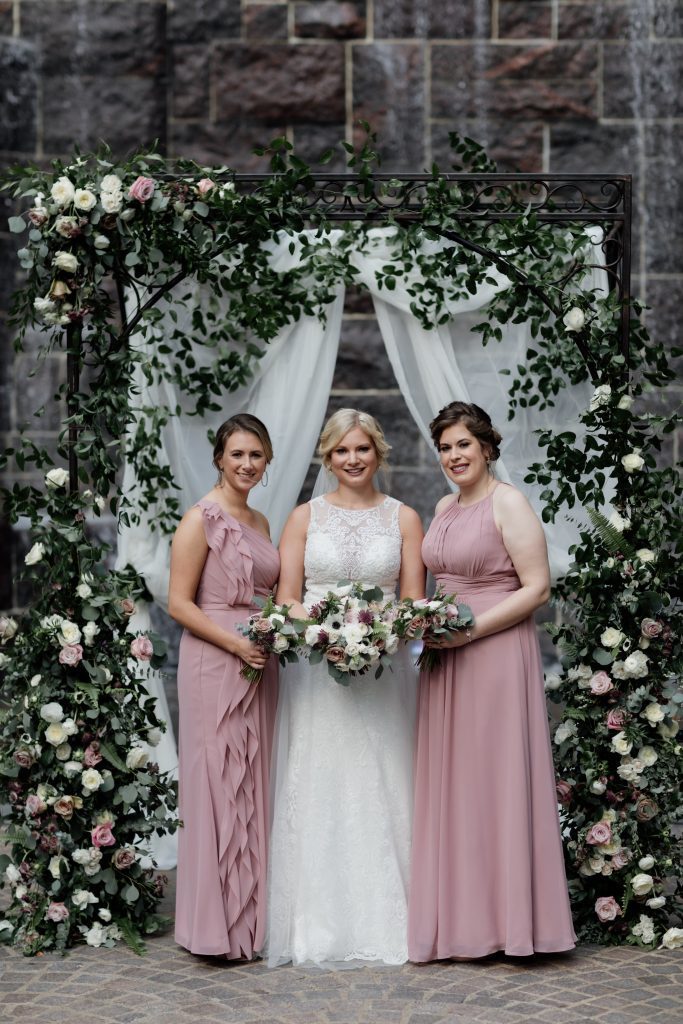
101	242
12	874
35	555
391	645
34	680
632	462
72	768
276	620
628	771
111	183
91	780
82	897
84	590
20	892
667	730
65	261
107	675
641	884
654	713
280	644
154	737
574	319
84	199
648	755
617	670
579	672
90	631
646	862
51	621
127	215
43	304
353	650
4	660
621	744
597	787
52	712
656	902
645	555
672	939
111	201
353	633
635	666
104	914
8	627
601	396
312	635
645	929
56	478
63	752
619	523
62	192
70	633
611	637
55	734
136	758
54	867
96	935
552	681
625	402
564	731
69	726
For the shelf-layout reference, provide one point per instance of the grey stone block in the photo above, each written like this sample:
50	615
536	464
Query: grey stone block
389	93
19	92
432	19
362	360
330	19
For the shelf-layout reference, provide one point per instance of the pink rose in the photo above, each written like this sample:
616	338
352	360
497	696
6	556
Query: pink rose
205	185
600	683
621	859
564	791
416	624
616	719
102	835
70	655
607	908
262	625
142	189
141	648
64	807
650	628
334	654
35	805
123	858
127	606
24	758
57	912
92	757
599	833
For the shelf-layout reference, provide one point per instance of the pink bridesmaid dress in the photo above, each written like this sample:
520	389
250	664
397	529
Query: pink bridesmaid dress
226	732
487	868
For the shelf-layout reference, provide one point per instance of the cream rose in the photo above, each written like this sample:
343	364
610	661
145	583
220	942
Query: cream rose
55	734
656	903
136	758
645	555
574	319
597	787
668	730
35	555
648	755
621	744
645	929
601	396
52	712
65	261
56	478
154	737
280	644
633	462
83	897
91	780
111	183
672	939
84	590
647	862
653	713
635	665
625	402
84	199
111	201
90	631
101	242
62	192
565	731
552	681
642	884
70	633
611	637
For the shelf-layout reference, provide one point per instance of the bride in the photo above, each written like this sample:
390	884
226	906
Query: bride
340	840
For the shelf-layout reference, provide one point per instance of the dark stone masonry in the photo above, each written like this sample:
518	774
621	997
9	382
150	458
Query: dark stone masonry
546	85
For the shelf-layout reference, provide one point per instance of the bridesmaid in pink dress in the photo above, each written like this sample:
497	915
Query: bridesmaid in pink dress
487	869
221	557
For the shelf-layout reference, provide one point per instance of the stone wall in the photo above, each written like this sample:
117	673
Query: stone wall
546	85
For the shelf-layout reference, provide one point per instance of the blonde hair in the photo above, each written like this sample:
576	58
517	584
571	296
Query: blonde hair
338	426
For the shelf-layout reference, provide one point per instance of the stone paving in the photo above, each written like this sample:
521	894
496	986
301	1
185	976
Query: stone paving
169	986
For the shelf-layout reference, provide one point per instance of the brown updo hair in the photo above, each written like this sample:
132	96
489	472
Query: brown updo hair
242	421
477	421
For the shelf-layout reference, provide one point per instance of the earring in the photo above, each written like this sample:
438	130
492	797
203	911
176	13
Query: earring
264	479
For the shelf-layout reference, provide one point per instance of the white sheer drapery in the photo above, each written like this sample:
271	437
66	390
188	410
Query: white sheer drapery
289	392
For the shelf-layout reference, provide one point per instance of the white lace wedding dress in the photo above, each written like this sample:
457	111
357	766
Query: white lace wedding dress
343	773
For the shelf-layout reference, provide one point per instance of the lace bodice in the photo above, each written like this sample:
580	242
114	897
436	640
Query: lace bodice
352	544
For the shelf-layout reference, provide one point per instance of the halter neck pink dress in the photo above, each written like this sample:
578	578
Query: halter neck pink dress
225	739
487	868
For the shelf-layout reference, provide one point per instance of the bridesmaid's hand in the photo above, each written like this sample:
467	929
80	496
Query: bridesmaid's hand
250	653
446	641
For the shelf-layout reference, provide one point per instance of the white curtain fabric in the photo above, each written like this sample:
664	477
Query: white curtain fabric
290	390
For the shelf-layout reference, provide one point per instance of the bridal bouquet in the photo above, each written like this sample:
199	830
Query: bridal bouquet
349	631
427	618
272	630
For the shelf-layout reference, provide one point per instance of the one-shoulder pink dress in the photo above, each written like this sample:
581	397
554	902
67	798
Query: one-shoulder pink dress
225	739
487	868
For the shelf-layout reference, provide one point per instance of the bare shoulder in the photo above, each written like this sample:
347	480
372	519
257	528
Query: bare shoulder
408	518
298	519
190	529
444	502
193	519
262	521
508	500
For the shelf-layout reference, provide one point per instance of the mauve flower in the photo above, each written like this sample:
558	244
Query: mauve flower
35	805
334	654
92	757
600	684
261	625
24	758
142	189
205	185
70	655
650	628
123	858
102	835
127	606
416	624
621	859
607	908
37	217
599	834
564	791
141	648
616	719
57	912
64	806
646	808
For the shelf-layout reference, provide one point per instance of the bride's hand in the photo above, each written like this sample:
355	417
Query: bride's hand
250	653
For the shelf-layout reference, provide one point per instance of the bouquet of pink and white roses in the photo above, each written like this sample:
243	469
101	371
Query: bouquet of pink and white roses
348	630
273	631
428	618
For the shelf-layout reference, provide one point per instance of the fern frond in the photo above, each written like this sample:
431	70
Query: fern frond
132	937
614	541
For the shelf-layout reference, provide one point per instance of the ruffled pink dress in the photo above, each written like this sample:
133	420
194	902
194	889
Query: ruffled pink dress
225	739
487	868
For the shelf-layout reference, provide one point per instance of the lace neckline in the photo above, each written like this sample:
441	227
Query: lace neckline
342	508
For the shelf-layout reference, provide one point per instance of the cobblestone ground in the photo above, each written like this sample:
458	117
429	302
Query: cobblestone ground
169	986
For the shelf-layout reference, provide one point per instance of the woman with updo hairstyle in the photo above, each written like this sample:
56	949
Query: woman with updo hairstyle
221	558
343	758
487	870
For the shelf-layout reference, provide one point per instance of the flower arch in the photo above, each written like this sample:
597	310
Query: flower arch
110	245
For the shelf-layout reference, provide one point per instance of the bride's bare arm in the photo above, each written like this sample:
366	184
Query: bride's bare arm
292	547
413	573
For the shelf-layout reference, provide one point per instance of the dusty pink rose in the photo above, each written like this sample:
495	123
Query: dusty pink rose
141	648
616	719
127	606
564	791
621	859
599	833
262	625
64	807
35	805
334	654
646	808
142	189
37	216
607	908
416	624
24	758
92	756
205	185
123	858
70	655
650	628
600	684
102	835
451	611
57	912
